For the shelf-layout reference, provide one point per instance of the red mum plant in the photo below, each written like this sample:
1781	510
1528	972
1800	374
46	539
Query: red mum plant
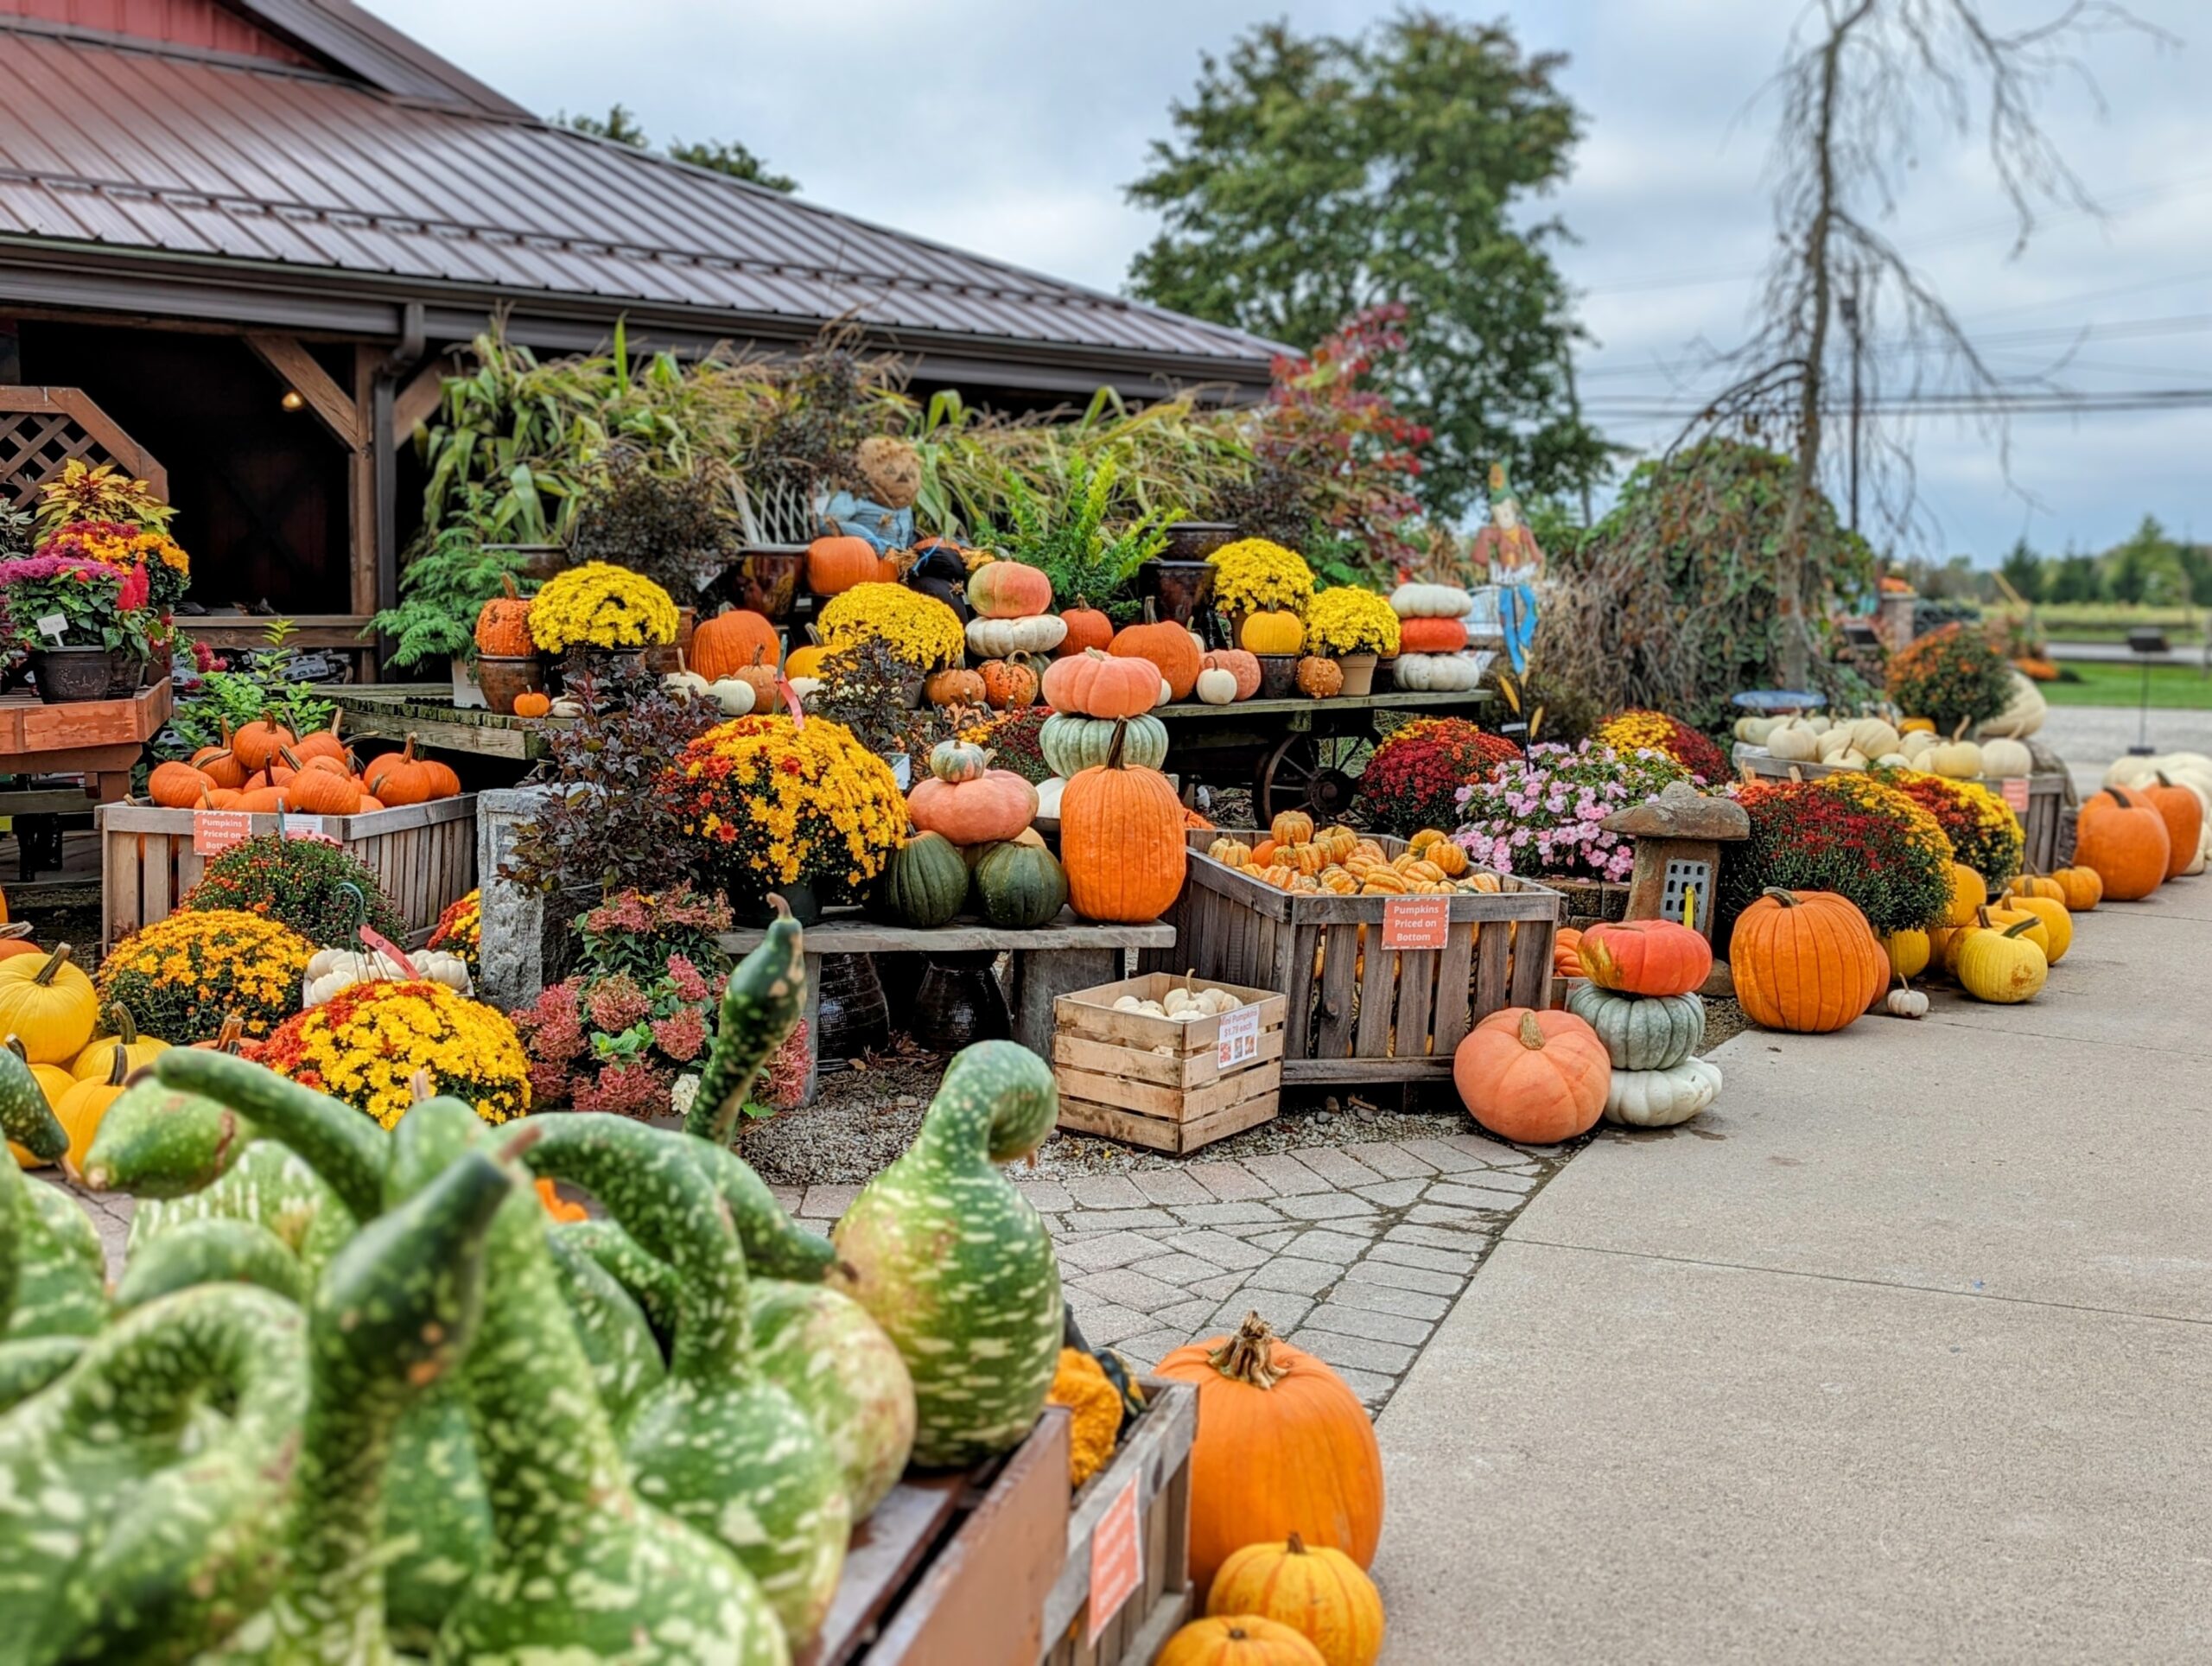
1414	778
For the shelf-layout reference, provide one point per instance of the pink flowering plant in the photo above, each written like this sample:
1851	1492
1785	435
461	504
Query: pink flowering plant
1540	814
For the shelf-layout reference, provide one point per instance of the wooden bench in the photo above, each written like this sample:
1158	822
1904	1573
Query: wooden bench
1049	962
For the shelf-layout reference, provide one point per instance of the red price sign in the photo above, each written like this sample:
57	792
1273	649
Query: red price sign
1416	922
215	831
2014	789
1117	1560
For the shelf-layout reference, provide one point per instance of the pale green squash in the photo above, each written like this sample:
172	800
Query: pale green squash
1070	743
1641	1032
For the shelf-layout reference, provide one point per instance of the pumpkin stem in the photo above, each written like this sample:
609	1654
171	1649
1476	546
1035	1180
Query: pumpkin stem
2018	927
1532	1033
1121	730
231	1037
126	1030
418	1087
20	928
1787	899
53	963
1294	1545
1248	1356
507	583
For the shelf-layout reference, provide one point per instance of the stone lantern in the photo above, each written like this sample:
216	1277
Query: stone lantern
1678	838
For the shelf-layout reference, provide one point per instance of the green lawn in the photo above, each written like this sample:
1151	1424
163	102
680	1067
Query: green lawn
2173	687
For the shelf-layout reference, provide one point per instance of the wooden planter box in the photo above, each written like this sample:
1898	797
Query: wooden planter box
1357	1012
2040	823
423	855
1160	1082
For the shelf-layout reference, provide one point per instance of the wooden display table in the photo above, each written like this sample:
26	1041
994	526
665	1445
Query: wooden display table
98	739
1049	962
392	711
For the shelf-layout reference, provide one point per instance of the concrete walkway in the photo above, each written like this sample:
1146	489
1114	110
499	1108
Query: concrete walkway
1902	1352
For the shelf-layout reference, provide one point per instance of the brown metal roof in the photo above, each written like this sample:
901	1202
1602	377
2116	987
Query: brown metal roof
124	150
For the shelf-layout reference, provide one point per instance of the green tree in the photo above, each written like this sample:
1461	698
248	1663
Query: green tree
2075	577
1311	179
723	155
2147	569
2022	568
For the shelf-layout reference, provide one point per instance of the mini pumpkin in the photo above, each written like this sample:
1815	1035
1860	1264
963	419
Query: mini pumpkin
1009	685
956	686
533	703
1319	679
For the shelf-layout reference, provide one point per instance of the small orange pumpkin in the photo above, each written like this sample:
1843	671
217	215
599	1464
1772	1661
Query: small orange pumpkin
401	778
257	744
1239	1640
177	787
221	764
1088	627
1008	684
323	793
532	702
1170	648
1321	1593
956	686
1319	679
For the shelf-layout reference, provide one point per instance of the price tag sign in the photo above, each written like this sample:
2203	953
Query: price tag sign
215	831
1240	1037
1117	1560
2014	790
1416	922
52	625
304	827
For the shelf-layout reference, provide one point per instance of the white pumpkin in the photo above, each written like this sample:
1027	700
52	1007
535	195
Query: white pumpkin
734	695
1792	742
1439	673
1836	741
1216	687
1001	639
1753	731
1048	795
1914	742
1166	692
1959	760
567	706
1904	1002
684	683
803	686
1849	758
1660	1098
1873	737
1817	723
1893	760
2023	716
2003	757
1430	602
330	971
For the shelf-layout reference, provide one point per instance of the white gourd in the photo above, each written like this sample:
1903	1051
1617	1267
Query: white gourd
2023	716
734	695
1216	688
567	706
1662	1098
1001	639
1430	602
1439	673
2002	757
330	971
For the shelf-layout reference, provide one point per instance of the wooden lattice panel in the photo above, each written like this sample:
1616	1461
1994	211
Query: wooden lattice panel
44	430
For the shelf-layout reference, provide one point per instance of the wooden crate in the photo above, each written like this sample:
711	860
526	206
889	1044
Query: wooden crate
1156	1458
423	855
1358	1013
2041	825
1159	1082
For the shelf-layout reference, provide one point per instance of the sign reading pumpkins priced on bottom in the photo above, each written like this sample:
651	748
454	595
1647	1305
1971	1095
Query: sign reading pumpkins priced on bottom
1416	922
1117	1560
215	831
2014	790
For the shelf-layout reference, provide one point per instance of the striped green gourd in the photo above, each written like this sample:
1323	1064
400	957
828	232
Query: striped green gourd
955	1265
53	1274
1641	1032
718	1445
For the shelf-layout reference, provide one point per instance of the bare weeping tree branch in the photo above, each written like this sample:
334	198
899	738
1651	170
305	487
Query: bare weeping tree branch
1859	83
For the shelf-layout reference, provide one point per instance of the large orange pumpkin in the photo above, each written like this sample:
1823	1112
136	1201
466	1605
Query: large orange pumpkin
1322	1594
1534	1078
2183	811
1170	648
1283	1447
1095	685
1122	840
1008	590
503	624
1238	1640
1806	960
835	564
731	642
256	745
1088	627
1646	957
2125	840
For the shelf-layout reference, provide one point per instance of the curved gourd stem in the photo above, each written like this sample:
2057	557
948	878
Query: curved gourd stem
346	1148
763	1000
149	1374
775	1245
215	1251
997	1100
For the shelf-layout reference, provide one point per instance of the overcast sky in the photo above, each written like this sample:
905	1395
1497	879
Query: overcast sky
1010	127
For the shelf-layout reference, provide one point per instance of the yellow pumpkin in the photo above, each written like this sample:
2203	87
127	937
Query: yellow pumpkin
1291	827
93	1061
80	1109
1272	633
1321	1593
804	662
49	1004
1422	872
1232	853
2002	966
1908	951
2058	924
1969	891
1448	857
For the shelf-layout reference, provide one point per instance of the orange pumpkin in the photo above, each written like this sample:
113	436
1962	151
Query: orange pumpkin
2183	811
1173	650
263	801
1432	635
1238	1640
954	687
503	624
1122	840
1646	957
16	939
401	778
1008	590
256	745
1088	627
733	641
324	792
1008	684
1322	1594
1806	960
1291	827
221	764
323	743
968	801
1240	665
1532	1077
760	677
2080	888
2125	840
532	703
1283	1447
835	564
1095	684
2033	885
177	787
1567	953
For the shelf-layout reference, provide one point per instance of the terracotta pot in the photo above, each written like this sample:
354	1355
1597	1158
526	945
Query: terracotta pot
1180	591
72	676
1359	672
503	676
1278	676
767	578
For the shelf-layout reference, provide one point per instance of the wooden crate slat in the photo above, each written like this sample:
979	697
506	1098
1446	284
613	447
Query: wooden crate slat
1177	1139
1416	999
1339	975
1454	990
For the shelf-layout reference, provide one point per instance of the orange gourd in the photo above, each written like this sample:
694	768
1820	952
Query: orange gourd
1283	1447
2183	811
221	764
1238	1640
1432	635
177	787
400	778
1097	684
256	745
2125	840
1646	957
1449	858
503	624
835	564
954	687
1122	840
1320	1593
2080	888
1319	679
733	641
1008	590
1532	1077
1088	627
1008	684
532	703
1240	665
1171	650
968	801
1806	960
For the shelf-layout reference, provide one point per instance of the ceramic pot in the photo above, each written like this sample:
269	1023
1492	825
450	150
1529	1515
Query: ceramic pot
852	1017
767	578
71	676
502	678
1359	672
1278	676
1180	591
127	674
959	1002
1196	540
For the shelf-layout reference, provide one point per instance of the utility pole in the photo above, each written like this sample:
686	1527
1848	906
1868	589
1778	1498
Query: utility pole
1575	409
1848	303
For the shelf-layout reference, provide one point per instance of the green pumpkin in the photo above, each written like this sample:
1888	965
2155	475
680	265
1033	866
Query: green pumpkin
956	1266
1070	743
924	884
1021	885
1641	1032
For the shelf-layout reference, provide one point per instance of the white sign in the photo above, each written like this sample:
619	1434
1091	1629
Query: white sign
303	827
1240	1037
52	625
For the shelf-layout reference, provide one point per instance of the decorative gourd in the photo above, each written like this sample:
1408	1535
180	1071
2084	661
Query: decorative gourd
1238	1640
1906	1001
968	801
2081	889
177	787
1321	1593
2125	841
1096	685
1291	827
533	702
1008	590
924	884
1907	952
1002	639
1805	961
2057	923
835	564
2002	966
2001	758
47	1004
1662	1098
2183	811
956	1266
1272	633
1432	636
1239	663
27	1096
1021	885
93	1061
1319	679
1087	628
1094	1406
1958	759
256	744
1122	840
1009	685
1439	673
1532	1077
732	640
1283	1447
221	764
1646	957
1216	687
503	624
954	686
1171	650
1430	602
1640	1033
1969	891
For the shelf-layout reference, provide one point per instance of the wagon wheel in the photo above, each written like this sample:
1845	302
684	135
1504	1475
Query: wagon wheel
1313	772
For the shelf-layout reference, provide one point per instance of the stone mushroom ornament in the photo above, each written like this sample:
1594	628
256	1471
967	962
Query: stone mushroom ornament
1678	838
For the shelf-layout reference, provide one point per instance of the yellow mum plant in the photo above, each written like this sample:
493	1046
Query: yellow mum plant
1258	576
600	604
1349	620
921	629
182	977
365	1043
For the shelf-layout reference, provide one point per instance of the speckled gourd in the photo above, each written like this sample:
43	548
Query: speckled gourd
53	1275
955	1265
213	1251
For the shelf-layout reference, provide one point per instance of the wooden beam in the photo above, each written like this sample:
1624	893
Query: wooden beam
301	371
419	400
361	483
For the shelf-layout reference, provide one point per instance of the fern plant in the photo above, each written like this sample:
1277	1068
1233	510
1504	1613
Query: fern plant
1071	543
454	574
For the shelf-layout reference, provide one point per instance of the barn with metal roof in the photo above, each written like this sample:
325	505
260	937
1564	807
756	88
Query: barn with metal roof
206	206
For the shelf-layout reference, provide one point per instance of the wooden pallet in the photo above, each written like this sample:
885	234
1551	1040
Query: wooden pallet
1155	1458
1159	1082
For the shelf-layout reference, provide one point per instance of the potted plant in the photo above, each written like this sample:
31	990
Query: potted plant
922	633
454	573
1073	546
601	612
676	530
1255	575
76	619
1356	628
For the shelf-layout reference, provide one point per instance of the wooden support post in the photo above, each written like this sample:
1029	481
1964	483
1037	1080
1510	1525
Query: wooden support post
301	372
1035	978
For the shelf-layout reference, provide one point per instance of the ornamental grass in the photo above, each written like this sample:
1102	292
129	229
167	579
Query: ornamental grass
1846	833
182	977
1412	781
601	606
1984	832
311	885
365	1043
922	630
1654	731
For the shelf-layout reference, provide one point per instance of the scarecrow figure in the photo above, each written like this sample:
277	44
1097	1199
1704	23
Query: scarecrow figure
1516	565
891	471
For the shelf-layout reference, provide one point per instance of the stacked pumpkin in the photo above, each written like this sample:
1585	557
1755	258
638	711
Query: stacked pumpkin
1433	638
1297	857
973	834
1641	999
265	768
